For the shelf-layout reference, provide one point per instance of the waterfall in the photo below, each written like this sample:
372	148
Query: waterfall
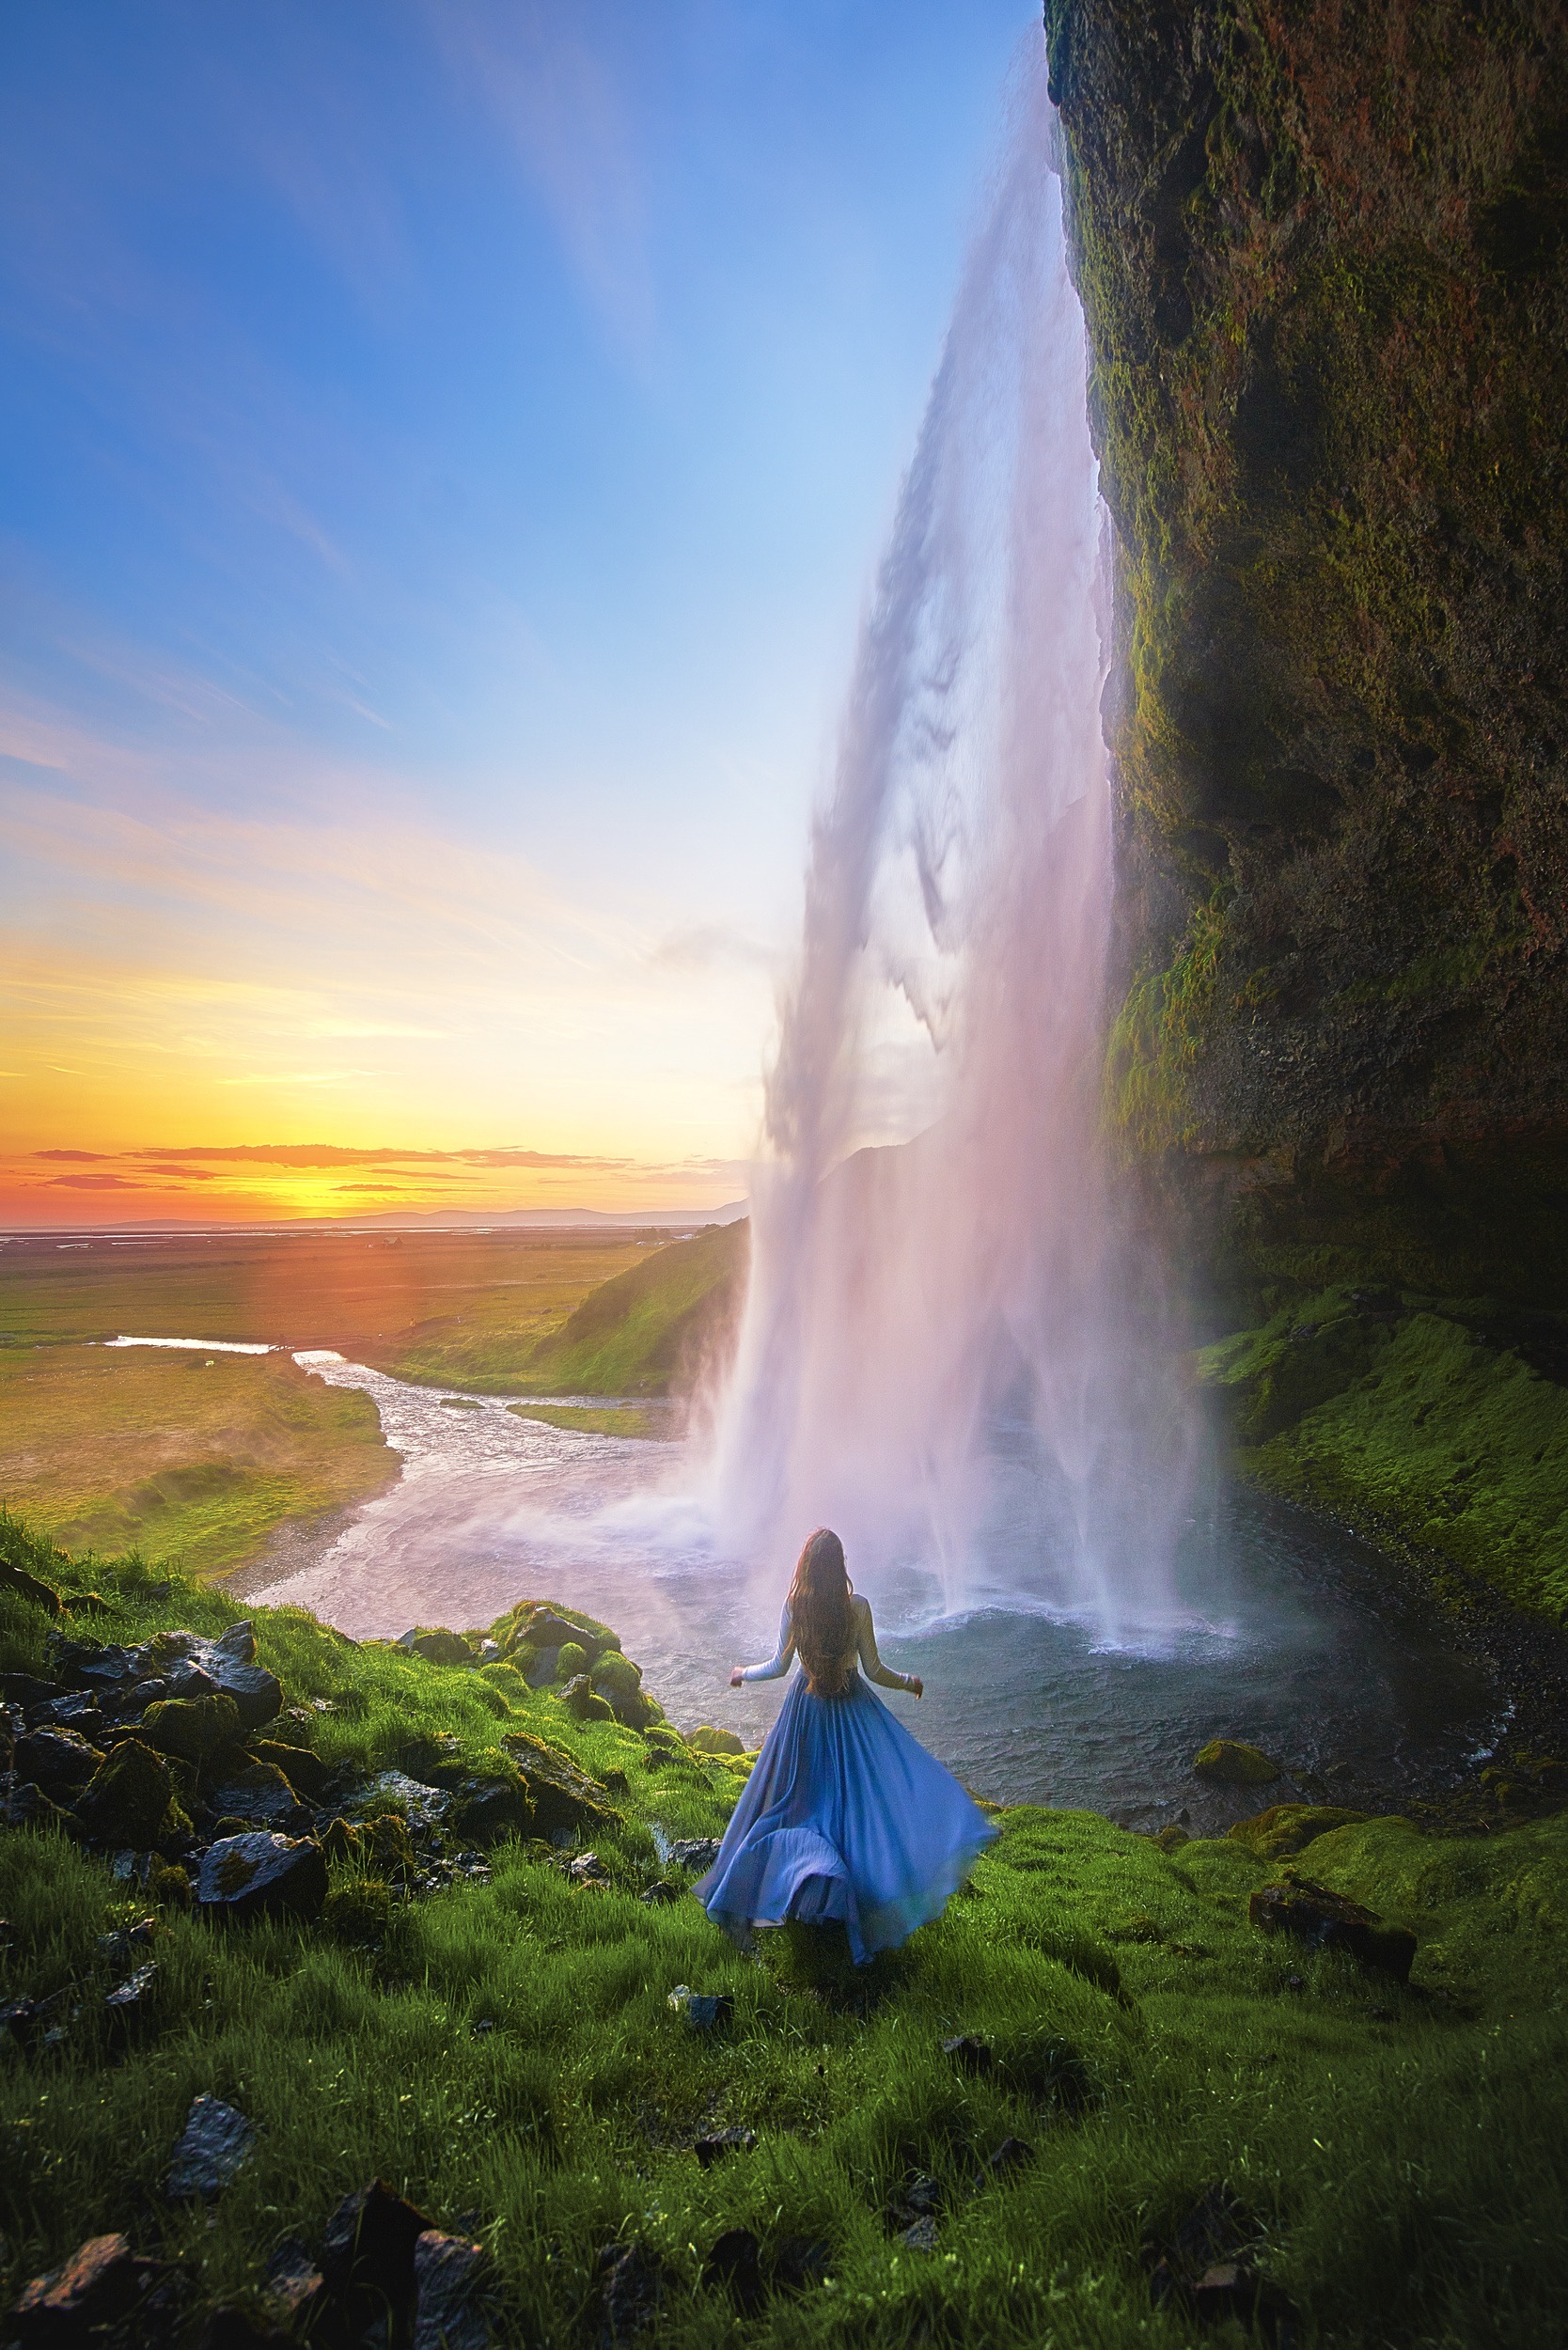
951	1348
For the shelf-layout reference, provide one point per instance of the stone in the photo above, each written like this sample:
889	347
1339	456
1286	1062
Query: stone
1287	1829
733	2264
304	1769
695	1852
100	2284
546	1630
486	1809
27	1691
27	1806
1326	1920
707	1740
259	1791
921	2235
263	1873
630	2292
92	1665
28	1587
131	2002
210	2151
659	1892
448	2278
28	2021
421	1806
293	2284
368	2249
582	1702
587	1869
571	1660
704	2011
438	1647
1231	1763
192	1728
735	2140
131	1799
970	2054
56	1760
1009	2156
125	1943
800	2261
561	1799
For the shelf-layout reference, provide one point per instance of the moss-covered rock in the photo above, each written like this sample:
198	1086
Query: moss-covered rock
130	1802
192	1728
1232	1762
572	1658
707	1740
1286	1828
582	1702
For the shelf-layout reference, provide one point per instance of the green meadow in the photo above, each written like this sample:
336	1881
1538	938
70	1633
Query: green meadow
505	2053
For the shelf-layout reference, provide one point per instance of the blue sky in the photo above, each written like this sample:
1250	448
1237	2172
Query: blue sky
445	450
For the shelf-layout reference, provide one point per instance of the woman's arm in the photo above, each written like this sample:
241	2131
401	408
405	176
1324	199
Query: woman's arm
778	1664
872	1664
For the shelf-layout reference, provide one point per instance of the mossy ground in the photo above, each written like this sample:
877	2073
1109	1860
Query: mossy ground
1401	2149
194	1457
1409	1420
653	1326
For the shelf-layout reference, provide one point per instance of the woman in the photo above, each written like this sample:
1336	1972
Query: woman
845	1816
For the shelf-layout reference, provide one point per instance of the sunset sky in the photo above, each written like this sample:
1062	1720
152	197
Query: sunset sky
446	450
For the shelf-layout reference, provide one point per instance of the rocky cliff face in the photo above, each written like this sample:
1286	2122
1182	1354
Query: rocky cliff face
1322	251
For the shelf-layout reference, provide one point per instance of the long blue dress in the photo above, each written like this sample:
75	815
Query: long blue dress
845	1816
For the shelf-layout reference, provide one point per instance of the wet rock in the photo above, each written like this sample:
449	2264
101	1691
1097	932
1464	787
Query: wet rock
422	1807
448	2284
192	1728
486	1809
27	1691
101	2283
56	1760
582	1705
1287	1829
1326	1920
659	1892
196	1667
368	2250
734	2266
130	2003
587	1869
246	1876
304	1770
1232	1762
546	1630
630	2292
695	1852
293	2284
258	1793
131	1801
210	2151
732	2141
970	2054
562	1800
27	1806
92	1664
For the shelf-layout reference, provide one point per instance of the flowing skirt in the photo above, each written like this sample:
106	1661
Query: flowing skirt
845	1816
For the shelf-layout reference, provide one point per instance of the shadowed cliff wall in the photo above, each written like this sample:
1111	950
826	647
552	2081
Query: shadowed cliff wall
1322	254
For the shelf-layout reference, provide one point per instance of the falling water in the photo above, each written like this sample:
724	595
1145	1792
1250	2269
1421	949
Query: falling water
952	1344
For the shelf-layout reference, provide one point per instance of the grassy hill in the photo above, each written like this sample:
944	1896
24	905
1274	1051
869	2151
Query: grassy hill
1092	2063
646	1329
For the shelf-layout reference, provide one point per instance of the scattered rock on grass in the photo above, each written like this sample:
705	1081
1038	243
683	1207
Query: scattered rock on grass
704	2011
697	1852
1009	2156
732	2141
368	2251
1325	1921
659	1894
102	2283
260	1792
970	2054
582	1703
208	2153
920	2234
1287	1829
293	2283
448	2276
587	1869
631	2290
734	2266
131	2002
1232	1762
131	1801
244	1876
563	1801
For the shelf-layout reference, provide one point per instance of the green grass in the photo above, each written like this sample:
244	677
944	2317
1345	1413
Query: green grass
1401	2150
1404	1419
195	1457
651	1328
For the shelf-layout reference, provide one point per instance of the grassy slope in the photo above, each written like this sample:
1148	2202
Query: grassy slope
1403	2148
1404	1419
195	1458
646	1328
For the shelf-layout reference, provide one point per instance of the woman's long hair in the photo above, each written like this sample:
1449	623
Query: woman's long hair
820	1613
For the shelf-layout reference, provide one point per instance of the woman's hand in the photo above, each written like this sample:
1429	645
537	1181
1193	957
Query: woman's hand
914	1685
736	1678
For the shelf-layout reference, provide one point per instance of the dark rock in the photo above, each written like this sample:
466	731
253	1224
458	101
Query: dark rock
192	1728
28	2021
734	2266
244	1876
56	1759
582	1705
732	2141
438	1647
27	1691
127	1943
587	1869
697	1852
131	1799
547	1631
27	1806
257	1792
448	2278
1232	1762
209	2152
184	1678
27	1587
709	2011
1326	1920
1009	2156
131	2002
293	2283
658	1893
632	2284
368	2250
486	1809
77	1709
421	1807
304	1769
1287	1829
101	2283
563	1802
970	2054
921	2235
800	2261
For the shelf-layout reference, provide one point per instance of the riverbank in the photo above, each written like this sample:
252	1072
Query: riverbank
1094	2060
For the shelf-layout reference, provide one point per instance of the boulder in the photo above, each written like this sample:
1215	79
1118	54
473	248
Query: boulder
301	1766
734	2266
99	2285
58	1761
1287	1829
259	1791
293	2284
438	1646
131	1801
27	1691
707	1740
572	1658
1231	1763
582	1703
246	1876
563	1802
92	1665
192	1728
421	1807
26	1806
448	2285
367	2254
210	2151
545	1629
77	1709
697	1852
486	1808
630	2291
1325	1921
